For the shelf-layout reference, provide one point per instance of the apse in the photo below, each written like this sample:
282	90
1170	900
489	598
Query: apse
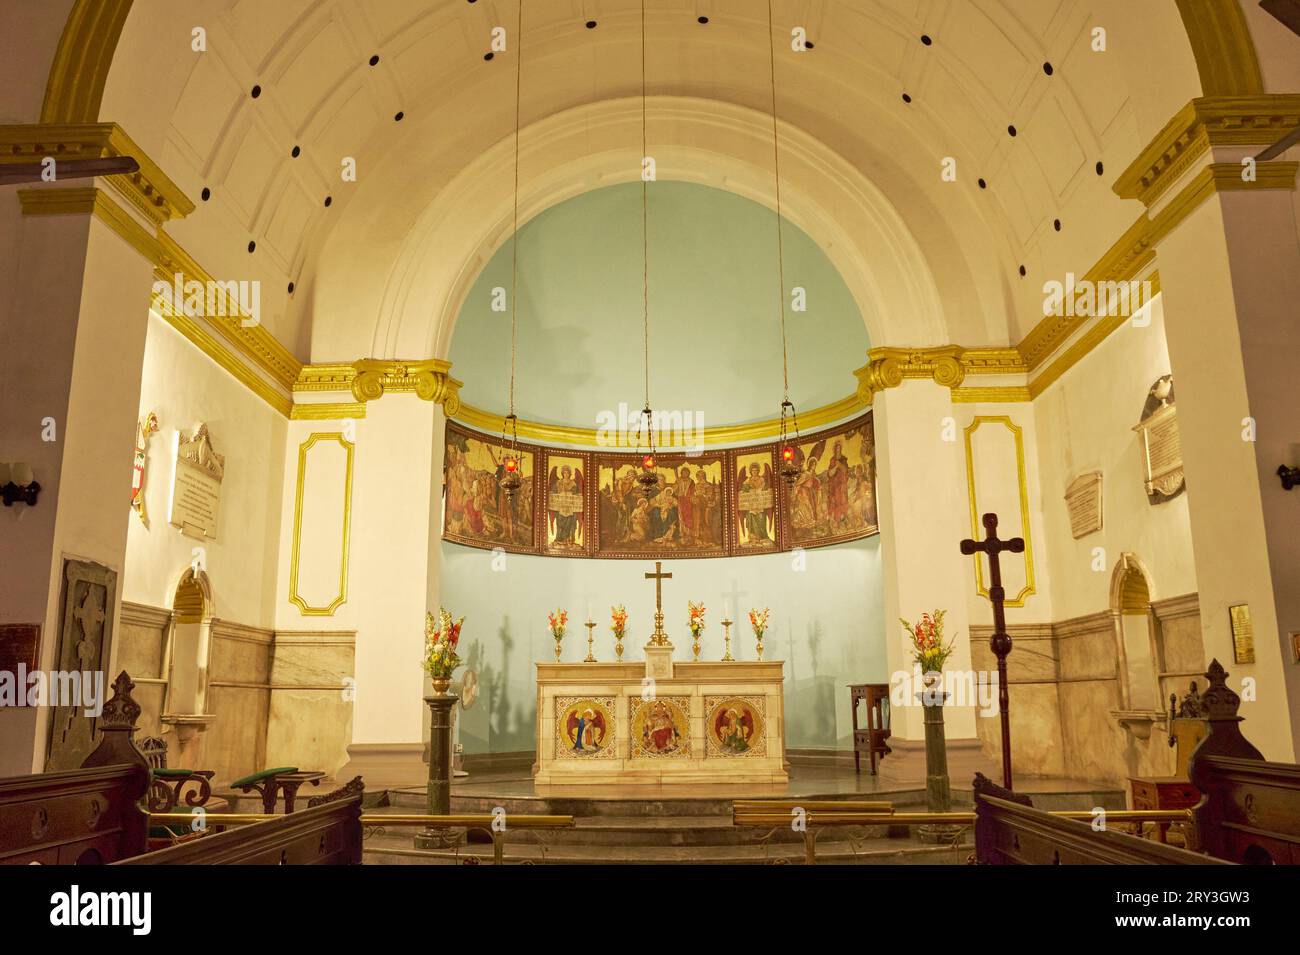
715	358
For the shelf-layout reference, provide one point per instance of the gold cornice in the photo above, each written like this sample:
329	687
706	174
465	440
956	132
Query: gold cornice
751	433
262	349
947	365
328	411
148	190
370	378
1205	122
1007	393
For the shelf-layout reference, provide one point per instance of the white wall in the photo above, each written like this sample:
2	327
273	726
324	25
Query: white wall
1084	423
183	386
827	624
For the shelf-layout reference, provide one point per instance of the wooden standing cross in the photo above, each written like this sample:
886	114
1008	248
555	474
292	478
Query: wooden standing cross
1000	642
659	637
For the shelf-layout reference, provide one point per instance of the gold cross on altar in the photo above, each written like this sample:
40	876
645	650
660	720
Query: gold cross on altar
659	637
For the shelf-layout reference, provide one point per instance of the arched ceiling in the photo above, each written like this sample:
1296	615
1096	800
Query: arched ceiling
952	250
715	337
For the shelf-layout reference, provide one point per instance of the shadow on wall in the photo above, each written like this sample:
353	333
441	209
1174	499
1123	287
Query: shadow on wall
496	724
810	697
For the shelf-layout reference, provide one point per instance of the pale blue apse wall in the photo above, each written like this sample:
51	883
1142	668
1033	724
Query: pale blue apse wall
715	348
827	625
715	340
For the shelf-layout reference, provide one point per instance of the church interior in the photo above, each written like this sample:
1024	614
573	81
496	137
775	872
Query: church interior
650	431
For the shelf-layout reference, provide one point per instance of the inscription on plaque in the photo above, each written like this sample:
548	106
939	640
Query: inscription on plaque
196	486
1083	498
1162	452
1243	634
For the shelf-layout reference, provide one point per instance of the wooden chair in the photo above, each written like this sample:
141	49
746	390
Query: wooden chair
871	738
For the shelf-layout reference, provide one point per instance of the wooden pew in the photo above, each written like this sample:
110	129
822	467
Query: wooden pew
85	816
1250	809
1010	831
324	834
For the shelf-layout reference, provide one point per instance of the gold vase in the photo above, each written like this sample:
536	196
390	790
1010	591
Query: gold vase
618	647
760	648
440	684
695	647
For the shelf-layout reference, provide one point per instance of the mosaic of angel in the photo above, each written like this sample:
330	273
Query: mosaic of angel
565	521
755	502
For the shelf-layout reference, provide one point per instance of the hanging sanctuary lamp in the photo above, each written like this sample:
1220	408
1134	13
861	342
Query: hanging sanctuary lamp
789	468
511	479
648	478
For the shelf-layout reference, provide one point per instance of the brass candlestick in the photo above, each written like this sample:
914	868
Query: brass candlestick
726	636
591	631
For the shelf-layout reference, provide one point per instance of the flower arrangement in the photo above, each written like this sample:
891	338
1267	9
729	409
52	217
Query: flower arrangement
758	620
928	648
695	618
618	621
558	619
441	636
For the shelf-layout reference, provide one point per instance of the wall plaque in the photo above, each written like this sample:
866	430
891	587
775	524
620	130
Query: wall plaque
196	485
1162	452
1083	499
1243	634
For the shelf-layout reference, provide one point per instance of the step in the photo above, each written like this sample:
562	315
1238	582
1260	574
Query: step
869	852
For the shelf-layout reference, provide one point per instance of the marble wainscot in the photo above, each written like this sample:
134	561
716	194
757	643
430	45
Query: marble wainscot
609	724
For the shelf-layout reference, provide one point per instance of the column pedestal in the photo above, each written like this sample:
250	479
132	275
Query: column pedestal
439	786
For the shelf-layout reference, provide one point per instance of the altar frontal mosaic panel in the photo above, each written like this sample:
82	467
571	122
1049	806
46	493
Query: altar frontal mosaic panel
720	503
661	728
735	726
584	727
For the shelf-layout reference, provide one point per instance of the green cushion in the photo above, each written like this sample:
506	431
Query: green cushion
264	774
171	773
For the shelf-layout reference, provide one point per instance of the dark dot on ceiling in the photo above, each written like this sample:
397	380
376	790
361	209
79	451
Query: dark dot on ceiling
907	98
983	184
296	152
1100	168
925	38
702	19
1022	271
1011	130
290	288
1056	224
1047	68
397	117
329	200
487	55
374	60
591	24
206	194
255	92
252	246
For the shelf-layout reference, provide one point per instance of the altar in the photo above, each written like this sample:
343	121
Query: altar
703	722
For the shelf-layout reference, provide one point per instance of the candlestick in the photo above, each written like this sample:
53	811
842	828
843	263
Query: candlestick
591	631
726	635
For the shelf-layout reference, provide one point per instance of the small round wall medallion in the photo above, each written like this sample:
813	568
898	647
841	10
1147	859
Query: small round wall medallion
93	811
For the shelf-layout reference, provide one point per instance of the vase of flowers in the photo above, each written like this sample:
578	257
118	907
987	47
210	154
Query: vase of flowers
758	621
930	653
441	637
558	619
618	624
695	621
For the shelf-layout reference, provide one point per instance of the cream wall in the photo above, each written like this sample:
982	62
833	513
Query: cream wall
1084	423
184	387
